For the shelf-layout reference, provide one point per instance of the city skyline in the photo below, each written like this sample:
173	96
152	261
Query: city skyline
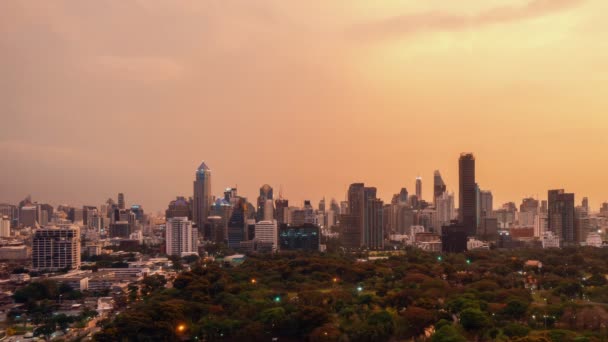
300	202
343	92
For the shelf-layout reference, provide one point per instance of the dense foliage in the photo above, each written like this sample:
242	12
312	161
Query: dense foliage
483	295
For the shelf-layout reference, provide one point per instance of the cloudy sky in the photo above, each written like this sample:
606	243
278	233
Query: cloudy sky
99	97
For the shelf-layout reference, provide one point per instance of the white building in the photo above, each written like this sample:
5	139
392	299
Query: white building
267	231
268	210
415	230
550	240
594	240
181	238
5	227
473	243
541	224
445	210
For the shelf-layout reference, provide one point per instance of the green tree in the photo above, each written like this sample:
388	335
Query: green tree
474	320
447	333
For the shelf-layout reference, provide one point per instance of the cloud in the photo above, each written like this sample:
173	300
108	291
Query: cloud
437	21
146	69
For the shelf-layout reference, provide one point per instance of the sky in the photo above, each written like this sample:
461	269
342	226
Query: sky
101	97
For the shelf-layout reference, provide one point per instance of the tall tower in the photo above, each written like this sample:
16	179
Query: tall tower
121	201
202	195
467	194
438	186
419	188
181	239
561	215
266	193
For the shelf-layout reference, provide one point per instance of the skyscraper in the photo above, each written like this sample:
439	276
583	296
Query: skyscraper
419	188
266	193
121	201
486	204
202	195
561	215
267	231
180	237
467	193
365	220
438	186
56	248
236	225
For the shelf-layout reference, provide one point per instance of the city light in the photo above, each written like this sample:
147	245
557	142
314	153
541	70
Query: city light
181	328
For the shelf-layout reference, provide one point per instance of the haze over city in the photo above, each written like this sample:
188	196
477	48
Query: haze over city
129	96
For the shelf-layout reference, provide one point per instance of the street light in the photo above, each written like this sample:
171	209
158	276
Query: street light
359	288
277	299
253	281
181	328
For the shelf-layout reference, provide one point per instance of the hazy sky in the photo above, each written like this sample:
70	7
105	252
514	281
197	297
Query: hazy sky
100	97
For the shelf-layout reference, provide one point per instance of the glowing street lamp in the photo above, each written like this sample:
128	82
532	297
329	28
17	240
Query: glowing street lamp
359	288
181	328
253	281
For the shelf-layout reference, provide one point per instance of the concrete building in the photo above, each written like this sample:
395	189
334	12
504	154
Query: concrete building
550	240
468	194
10	252
561	216
267	231
180	237
202	195
5	227
56	248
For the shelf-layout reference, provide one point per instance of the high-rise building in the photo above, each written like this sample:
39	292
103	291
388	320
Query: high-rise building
486	205
27	215
367	211
322	205
444	205
215	229
439	187
467	194
454	238
121	201
280	212
120	229
585	204
180	207
5	226
266	193
268	210
267	231
604	209
582	225
202	195
56	248
403	196
561	215
419	188
11	211
236	225
181	237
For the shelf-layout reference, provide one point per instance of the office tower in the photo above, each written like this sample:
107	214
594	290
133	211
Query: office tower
87	211
215	229
322	205
5	226
266	193
45	213
303	238
268	210
403	196
585	204
121	201
486	204
11	211
419	188
56	248
180	207
454	238
488	229
267	231
249	229
281	205
604	209
582	225
544	206
368	210
138	211
444	205
374	233
344	207
561	215
120	229
202	195
439	187
529	205
236	225
334	206
541	224
230	195
76	215
467	194
181	237
27	216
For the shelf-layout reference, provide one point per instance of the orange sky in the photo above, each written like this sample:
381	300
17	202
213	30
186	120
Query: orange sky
98	97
